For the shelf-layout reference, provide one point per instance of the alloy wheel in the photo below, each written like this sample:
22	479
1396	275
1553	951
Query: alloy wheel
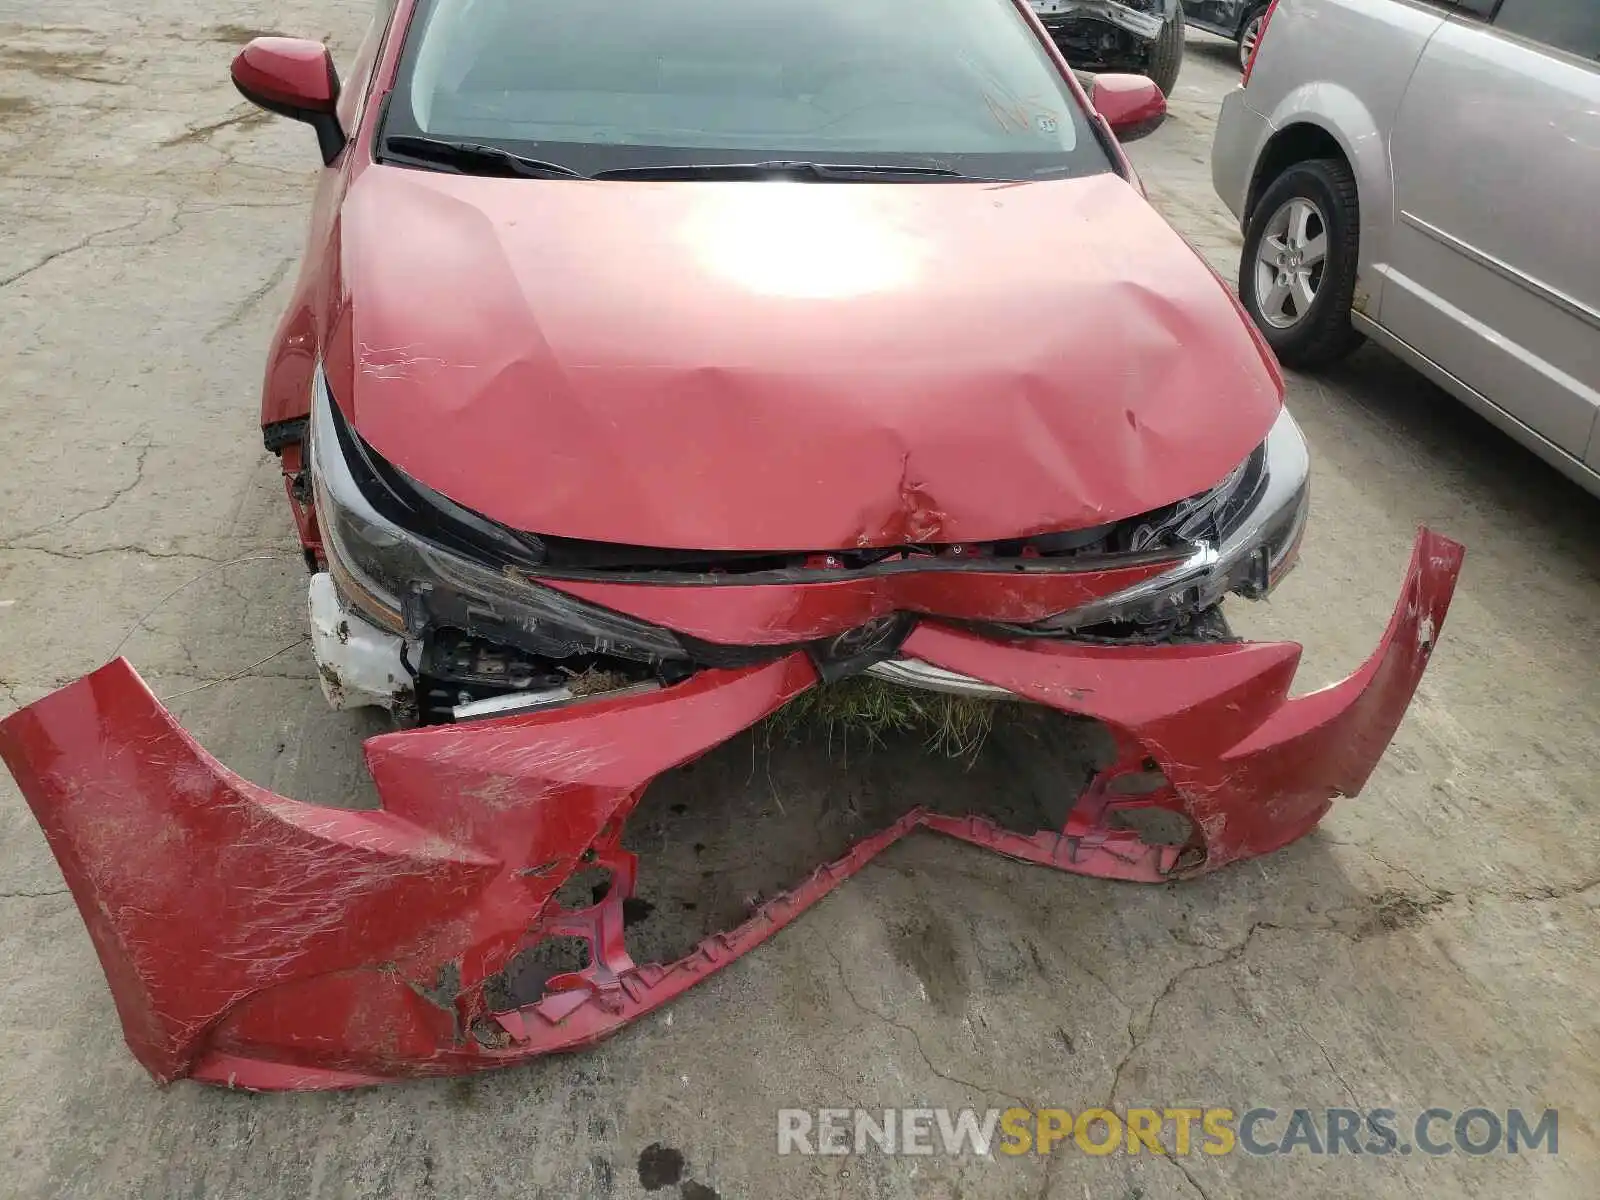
1290	262
1248	40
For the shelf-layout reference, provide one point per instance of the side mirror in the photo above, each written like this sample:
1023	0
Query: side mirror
1131	104
294	78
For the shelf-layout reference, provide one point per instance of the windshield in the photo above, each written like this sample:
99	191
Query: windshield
595	85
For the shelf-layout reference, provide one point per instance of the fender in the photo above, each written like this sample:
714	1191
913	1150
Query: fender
300	340
1340	113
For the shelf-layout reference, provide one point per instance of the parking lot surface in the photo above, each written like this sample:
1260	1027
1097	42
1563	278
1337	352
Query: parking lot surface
1435	944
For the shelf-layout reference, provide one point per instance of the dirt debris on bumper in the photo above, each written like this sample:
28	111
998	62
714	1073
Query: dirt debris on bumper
260	942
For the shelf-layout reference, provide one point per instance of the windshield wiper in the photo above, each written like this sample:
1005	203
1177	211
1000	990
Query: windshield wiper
473	158
780	168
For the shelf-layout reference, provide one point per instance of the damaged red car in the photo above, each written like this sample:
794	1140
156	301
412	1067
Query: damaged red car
644	373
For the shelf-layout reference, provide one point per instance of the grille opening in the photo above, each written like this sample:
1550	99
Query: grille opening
524	979
721	836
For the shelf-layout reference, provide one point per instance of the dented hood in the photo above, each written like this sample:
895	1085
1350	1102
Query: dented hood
789	366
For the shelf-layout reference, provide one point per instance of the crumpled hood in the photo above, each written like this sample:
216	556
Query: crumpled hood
789	366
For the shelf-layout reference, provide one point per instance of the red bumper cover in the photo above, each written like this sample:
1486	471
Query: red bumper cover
261	942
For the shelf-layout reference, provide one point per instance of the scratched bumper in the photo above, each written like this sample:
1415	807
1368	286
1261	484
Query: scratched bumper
260	942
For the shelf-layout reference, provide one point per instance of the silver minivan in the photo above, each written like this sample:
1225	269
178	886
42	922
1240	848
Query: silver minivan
1426	173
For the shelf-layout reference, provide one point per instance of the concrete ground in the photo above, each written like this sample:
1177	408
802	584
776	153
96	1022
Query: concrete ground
1435	943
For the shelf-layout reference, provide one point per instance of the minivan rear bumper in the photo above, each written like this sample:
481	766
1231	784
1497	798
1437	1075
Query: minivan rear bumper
1241	134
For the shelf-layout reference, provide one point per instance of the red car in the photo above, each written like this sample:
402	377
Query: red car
646	370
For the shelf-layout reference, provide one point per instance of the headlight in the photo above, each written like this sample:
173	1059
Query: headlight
1245	531
407	582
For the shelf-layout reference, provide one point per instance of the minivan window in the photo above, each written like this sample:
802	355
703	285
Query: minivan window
959	84
1570	25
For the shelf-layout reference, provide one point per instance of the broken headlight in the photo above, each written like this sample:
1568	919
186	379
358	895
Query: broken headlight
411	559
1244	534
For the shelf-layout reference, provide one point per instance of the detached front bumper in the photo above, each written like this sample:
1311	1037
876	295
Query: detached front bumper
260	942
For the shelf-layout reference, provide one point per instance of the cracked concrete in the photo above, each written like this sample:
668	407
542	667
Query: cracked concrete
1435	944
81	244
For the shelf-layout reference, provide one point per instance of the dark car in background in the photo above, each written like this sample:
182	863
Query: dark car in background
1237	20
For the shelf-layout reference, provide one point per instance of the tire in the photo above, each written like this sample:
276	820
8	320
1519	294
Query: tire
1166	54
1249	34
1315	333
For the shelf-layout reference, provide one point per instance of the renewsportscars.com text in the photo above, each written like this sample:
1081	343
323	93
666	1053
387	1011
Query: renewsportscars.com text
1259	1132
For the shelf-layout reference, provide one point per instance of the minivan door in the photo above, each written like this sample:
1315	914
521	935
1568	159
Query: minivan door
1495	271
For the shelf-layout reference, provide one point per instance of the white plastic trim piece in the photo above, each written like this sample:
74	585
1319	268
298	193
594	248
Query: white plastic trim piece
360	664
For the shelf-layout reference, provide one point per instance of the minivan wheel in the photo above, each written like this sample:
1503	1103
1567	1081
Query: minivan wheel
1297	276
